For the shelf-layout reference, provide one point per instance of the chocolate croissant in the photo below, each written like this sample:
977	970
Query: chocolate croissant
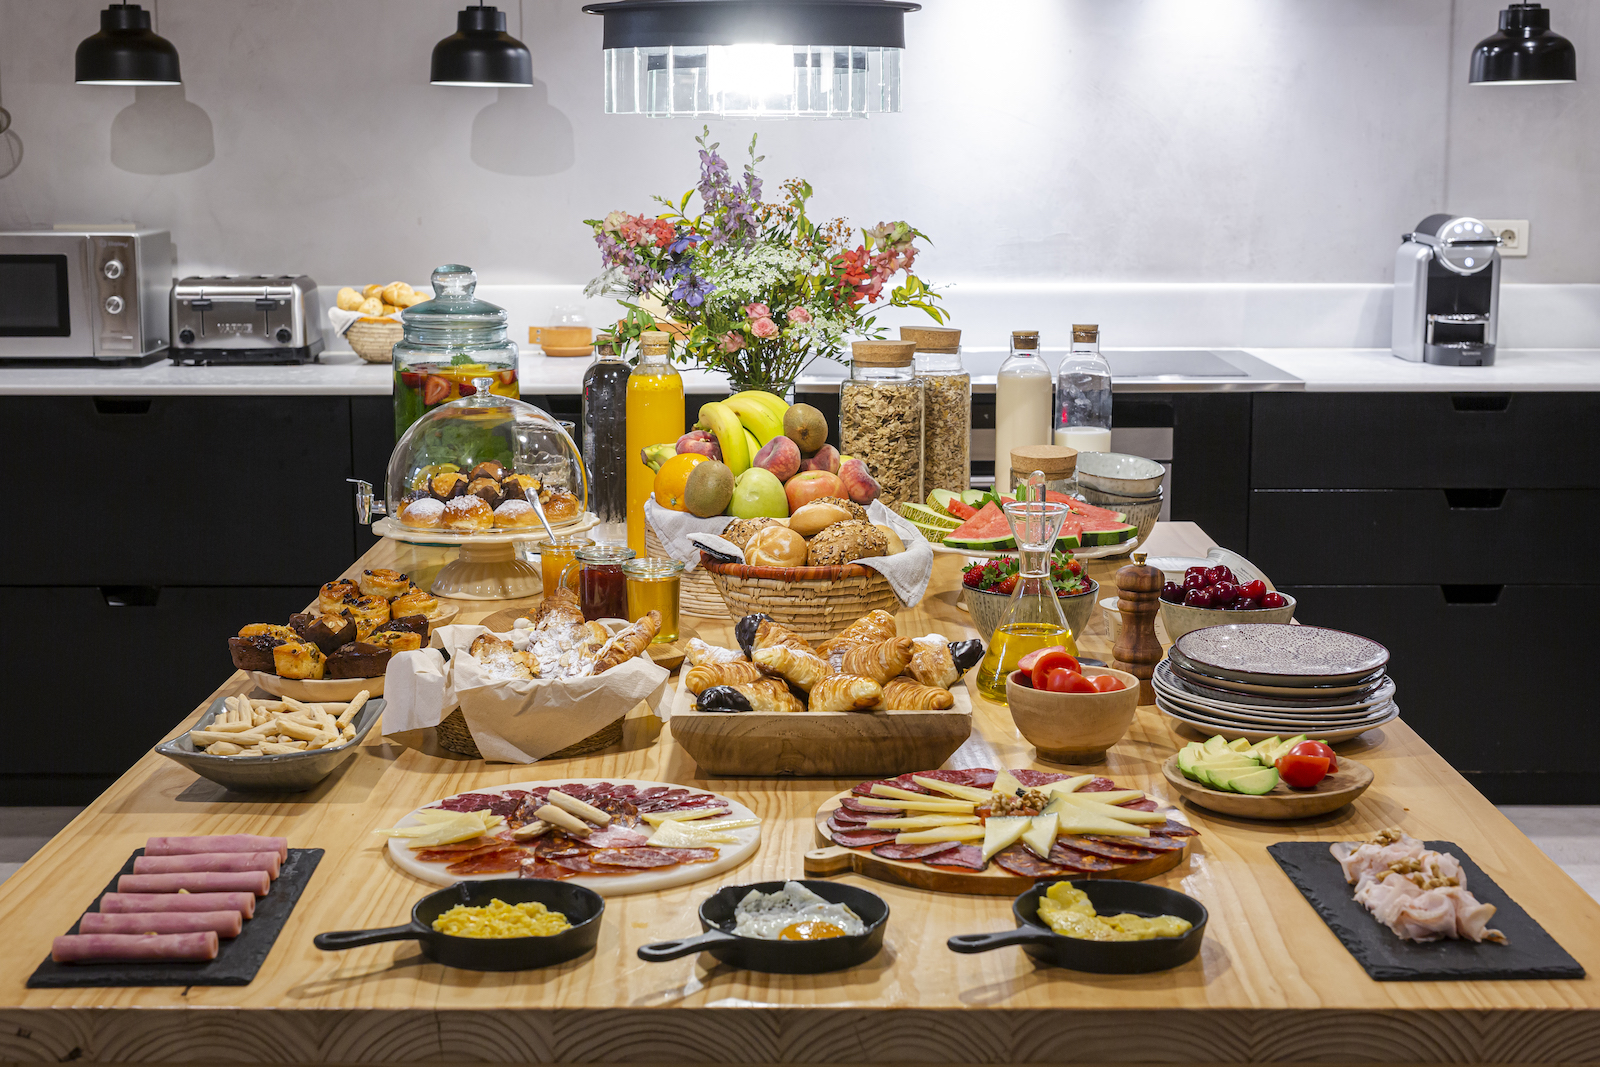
903	694
800	668
768	694
630	642
846	692
878	660
760	631
699	678
873	626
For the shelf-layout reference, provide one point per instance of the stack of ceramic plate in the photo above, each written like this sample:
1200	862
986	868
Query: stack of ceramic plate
1257	680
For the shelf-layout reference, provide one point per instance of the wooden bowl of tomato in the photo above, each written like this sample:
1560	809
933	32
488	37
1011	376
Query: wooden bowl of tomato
1069	712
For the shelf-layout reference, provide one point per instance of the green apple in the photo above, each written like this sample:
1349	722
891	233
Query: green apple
756	493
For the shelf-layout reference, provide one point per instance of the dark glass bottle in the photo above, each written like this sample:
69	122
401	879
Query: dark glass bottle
605	433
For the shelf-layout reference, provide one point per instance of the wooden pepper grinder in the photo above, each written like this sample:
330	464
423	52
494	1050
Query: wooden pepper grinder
1138	650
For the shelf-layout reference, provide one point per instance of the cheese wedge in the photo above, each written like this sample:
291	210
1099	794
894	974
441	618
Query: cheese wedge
999	831
922	822
1066	804
1069	785
939	833
656	818
950	807
1006	784
1075	821
1110	796
677	835
960	792
447	833
1040	836
720	825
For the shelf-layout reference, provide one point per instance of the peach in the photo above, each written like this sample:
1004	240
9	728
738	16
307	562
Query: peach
825	458
807	486
858	481
700	441
781	456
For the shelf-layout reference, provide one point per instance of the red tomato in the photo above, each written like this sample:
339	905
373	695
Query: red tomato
1317	748
1302	772
1062	680
1107	683
1026	662
1054	659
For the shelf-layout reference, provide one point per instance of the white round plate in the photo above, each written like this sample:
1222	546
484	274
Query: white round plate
1186	690
396	530
1306	723
1273	654
317	690
1233	731
610	885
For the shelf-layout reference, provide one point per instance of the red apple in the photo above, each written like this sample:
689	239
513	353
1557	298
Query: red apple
807	486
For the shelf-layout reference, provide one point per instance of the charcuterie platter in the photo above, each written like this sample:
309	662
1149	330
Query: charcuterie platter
953	836
615	837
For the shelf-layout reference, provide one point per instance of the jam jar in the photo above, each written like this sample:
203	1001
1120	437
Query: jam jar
450	341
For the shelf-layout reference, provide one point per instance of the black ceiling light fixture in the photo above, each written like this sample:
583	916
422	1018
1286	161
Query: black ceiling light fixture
753	58
126	51
481	54
1524	52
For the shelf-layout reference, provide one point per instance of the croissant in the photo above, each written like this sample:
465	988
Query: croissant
878	660
699	678
902	694
873	626
702	654
562	604
931	662
630	642
802	668
501	659
768	694
846	692
771	633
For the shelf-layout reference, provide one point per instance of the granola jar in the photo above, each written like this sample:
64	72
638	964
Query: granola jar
880	418
946	407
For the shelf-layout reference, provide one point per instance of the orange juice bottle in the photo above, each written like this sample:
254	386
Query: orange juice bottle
655	416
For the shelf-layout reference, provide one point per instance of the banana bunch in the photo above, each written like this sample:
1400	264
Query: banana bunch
743	423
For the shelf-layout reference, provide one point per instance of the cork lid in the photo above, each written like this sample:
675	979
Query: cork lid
1025	338
932	338
883	353
1085	333
654	337
1056	461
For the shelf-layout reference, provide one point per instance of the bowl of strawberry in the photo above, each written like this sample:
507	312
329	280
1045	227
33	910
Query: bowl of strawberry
1212	596
1068	711
988	585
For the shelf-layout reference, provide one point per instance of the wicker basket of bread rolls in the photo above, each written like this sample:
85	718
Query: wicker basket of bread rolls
453	736
374	338
697	592
815	602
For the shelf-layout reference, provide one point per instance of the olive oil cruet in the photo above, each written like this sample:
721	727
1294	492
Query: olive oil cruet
1034	619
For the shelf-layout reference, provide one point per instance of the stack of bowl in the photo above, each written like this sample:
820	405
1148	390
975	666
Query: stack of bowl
1125	483
1256	681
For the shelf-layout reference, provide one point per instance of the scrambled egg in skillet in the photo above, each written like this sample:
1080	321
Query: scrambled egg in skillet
1067	911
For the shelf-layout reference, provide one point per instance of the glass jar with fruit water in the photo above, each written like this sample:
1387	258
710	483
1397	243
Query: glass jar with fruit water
449	341
655	416
1034	619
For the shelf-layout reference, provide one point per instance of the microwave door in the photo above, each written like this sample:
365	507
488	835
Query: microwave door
44	310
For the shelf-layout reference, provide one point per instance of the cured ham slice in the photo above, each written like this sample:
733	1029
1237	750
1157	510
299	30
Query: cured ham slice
636	858
498	861
94	948
184	846
1080	862
1108	849
1419	894
256	882
144	903
1018	860
222	923
692	855
208	861
962	857
1151	844
616	837
537	868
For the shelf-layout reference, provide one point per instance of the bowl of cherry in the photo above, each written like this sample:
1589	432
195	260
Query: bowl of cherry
1212	596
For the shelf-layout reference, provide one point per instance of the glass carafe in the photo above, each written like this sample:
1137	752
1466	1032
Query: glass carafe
1034	618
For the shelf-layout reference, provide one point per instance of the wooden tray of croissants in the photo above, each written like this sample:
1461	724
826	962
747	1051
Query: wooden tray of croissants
867	701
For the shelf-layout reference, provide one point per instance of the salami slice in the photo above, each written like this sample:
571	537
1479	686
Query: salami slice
839	826
983	777
1098	785
962	857
691	855
1020	861
616	837
892	851
954	776
1151	844
1111	850
1173	829
632	857
1142	804
537	868
503	861
855	806
862	838
1032	779
1083	862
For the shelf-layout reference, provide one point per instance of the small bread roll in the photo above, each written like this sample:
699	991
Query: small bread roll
412	298
370	306
372	290
349	299
392	292
389	309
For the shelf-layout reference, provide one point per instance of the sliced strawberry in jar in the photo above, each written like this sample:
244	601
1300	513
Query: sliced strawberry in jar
435	390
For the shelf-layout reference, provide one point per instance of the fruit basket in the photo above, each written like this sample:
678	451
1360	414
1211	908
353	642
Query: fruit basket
815	602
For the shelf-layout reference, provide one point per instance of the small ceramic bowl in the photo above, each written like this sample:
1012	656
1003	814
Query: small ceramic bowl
1142	514
1108	608
1179	619
1073	727
987	608
1118	472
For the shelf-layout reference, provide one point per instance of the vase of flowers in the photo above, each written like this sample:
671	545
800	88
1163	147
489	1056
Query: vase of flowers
757	289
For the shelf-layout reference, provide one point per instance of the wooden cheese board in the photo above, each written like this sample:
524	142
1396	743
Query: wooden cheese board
1283	803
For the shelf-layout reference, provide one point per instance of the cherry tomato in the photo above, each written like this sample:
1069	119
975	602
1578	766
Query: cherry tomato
1025	664
1055	659
1317	748
1302	772
1107	683
1062	680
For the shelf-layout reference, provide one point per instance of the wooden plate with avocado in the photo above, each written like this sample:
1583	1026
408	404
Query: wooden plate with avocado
1239	780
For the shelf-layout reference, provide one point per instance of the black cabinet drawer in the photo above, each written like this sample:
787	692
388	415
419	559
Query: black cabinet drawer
181	490
1425	440
93	678
1460	686
1418	536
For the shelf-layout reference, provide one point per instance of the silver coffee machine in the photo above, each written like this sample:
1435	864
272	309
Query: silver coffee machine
1447	293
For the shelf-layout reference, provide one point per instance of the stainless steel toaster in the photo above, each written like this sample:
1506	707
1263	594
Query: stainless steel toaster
240	319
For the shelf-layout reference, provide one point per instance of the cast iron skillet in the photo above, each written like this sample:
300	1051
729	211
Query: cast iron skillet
780	957
582	907
1109	897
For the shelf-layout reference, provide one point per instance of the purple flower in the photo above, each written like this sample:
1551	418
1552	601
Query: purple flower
691	290
686	240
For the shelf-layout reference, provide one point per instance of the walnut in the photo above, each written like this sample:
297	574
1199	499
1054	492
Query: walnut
846	542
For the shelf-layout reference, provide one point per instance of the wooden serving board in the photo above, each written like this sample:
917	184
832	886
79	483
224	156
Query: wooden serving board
993	880
1331	794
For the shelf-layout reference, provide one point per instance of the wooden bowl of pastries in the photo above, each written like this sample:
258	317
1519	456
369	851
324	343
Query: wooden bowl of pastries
487	498
373	338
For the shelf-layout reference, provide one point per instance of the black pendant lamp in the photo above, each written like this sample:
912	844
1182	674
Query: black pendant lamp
1524	52
126	51
481	54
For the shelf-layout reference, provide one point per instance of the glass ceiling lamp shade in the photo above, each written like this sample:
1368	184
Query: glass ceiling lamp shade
753	58
1524	52
126	51
481	54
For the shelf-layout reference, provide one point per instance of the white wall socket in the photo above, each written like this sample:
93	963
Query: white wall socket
1513	235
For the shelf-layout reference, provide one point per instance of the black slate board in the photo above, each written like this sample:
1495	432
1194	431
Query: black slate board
1529	953
238	959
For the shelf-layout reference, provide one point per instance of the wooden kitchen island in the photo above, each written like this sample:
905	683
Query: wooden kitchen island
1272	983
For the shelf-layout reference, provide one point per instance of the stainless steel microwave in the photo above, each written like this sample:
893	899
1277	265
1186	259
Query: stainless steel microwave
84	294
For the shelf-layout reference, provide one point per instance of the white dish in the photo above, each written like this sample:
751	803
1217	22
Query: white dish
1167	679
1292	691
316	690
1233	731
1095	552
396	530
1293	723
1119	472
1273	654
1173	567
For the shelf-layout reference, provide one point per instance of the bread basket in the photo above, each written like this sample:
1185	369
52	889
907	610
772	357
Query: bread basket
374	339
815	602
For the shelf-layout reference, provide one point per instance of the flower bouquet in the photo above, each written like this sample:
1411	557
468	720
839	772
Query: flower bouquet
757	290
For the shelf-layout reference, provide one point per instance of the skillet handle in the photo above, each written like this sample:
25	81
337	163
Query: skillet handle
343	939
662	951
1003	939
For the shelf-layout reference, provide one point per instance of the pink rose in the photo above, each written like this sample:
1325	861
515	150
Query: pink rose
757	311
799	315
732	341
764	327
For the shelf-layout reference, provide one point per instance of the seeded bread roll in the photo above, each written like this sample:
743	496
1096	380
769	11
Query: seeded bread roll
846	542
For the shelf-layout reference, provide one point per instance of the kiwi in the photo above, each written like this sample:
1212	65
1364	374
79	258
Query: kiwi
709	489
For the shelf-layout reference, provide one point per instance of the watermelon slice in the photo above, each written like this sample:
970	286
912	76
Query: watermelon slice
960	510
1093	526
986	531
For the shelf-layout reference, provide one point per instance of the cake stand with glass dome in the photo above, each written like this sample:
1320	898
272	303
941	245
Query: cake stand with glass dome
503	453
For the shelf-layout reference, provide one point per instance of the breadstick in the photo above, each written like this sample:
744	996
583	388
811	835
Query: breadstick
349	714
578	808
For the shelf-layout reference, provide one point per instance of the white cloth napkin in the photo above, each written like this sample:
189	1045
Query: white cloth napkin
675	528
342	320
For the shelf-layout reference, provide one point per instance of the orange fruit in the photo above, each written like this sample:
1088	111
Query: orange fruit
674	476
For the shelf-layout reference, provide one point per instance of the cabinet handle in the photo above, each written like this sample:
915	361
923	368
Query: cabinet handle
1471	594
122	405
1474	499
130	596
1481	401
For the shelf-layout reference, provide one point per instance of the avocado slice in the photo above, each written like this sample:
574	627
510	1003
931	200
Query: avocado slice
1283	749
1186	758
1215	743
1262	749
1239	744
1255	785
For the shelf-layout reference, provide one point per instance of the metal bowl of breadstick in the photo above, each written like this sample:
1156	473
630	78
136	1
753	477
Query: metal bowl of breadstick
273	744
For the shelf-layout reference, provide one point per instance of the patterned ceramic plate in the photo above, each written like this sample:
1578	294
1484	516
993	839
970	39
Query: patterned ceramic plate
1264	718
1231	731
1282	655
1192	691
1185	670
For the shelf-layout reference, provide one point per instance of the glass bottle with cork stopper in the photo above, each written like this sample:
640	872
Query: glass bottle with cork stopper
1083	394
880	418
1058	464
655	416
604	435
1021	402
946	407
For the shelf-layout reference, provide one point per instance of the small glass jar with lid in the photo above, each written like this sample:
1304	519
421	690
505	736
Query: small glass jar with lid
881	417
449	342
946	407
1058	463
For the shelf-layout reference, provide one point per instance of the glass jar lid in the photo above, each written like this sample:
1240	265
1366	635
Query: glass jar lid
453	304
882	353
604	554
653	568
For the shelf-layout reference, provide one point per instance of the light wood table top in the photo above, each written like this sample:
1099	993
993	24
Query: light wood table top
1272	982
